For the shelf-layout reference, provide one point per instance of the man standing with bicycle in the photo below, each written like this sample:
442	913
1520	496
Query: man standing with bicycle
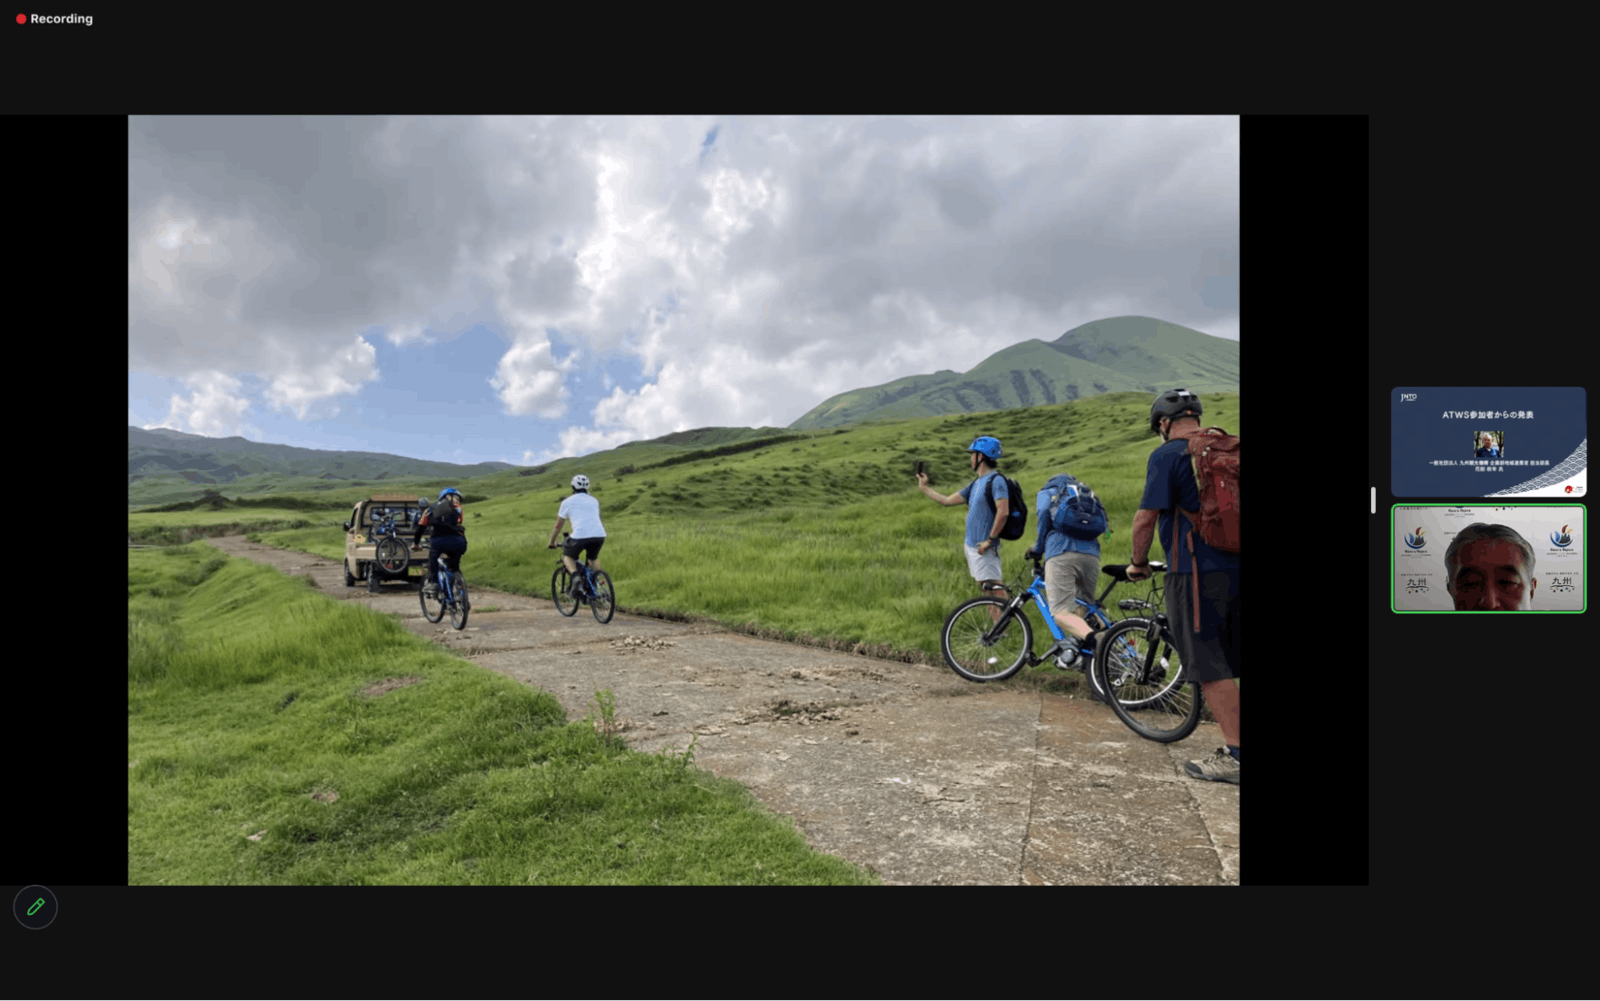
449	536
982	544
587	532
1207	642
1071	560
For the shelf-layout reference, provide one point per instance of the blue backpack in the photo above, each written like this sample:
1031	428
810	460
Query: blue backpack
1074	509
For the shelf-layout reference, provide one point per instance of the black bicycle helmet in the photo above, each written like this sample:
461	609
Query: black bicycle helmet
1172	404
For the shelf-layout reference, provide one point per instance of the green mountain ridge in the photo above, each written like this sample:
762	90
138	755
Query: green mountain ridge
1122	354
164	465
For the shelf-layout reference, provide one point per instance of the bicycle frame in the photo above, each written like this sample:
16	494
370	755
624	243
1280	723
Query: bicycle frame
1093	612
443	571
584	570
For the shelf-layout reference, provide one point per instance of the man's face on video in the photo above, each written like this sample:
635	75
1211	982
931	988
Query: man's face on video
1489	578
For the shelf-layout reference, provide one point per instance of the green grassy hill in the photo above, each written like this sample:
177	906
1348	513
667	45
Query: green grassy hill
1124	354
165	466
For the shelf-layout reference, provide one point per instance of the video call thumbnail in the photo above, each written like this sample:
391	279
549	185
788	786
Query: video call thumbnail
1488	558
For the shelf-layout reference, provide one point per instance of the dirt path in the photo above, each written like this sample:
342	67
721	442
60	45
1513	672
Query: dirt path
908	769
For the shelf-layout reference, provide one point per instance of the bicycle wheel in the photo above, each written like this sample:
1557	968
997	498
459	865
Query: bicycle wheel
461	606
392	555
980	649
433	610
566	604
1127	659
603	602
1150	690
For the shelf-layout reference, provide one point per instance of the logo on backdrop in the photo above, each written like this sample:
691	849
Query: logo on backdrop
1414	541
1563	538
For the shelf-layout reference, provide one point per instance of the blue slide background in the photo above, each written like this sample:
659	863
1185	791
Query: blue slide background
1420	435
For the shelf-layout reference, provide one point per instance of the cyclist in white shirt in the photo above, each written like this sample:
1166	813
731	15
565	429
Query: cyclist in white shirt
587	532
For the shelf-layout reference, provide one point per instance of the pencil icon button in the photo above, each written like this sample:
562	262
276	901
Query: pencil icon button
35	907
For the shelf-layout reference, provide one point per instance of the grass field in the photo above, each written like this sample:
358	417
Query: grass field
269	743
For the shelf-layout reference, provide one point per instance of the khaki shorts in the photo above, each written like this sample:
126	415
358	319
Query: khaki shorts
985	567
1069	576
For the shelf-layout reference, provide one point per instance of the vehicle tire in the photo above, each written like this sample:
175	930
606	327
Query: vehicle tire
349	578
432	610
1157	702
372	577
459	610
603	603
966	651
566	604
393	556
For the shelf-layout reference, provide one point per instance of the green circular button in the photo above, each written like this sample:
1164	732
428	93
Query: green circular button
35	907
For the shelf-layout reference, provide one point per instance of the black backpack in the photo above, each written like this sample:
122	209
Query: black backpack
1017	521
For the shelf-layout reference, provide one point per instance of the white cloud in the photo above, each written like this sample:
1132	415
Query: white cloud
405	333
529	379
300	387
213	409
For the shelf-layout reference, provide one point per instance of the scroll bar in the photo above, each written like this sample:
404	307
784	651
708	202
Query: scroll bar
1374	500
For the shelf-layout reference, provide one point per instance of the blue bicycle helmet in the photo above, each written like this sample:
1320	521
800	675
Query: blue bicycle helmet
447	491
987	445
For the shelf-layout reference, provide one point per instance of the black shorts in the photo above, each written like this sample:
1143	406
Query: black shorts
1212	654
575	546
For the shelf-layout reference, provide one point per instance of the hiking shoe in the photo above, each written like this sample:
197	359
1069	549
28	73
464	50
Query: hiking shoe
1220	767
431	590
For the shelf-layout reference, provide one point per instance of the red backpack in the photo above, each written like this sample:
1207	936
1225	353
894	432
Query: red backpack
1214	455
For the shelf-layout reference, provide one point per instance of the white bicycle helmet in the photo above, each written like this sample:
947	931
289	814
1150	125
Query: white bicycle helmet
580	482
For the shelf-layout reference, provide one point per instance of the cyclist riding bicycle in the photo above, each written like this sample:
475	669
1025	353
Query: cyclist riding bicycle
587	532
449	535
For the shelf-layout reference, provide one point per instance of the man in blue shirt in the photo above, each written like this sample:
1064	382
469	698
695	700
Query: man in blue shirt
1488	449
982	544
1211	655
1071	568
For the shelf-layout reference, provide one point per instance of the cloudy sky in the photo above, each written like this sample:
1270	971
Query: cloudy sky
518	289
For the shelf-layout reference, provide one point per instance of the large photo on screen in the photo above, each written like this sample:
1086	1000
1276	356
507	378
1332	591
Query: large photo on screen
1488	558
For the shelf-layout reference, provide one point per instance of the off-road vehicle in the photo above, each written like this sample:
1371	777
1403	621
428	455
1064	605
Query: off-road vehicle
374	555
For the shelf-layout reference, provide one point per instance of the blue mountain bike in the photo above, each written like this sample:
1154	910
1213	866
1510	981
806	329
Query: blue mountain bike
452	594
990	639
593	588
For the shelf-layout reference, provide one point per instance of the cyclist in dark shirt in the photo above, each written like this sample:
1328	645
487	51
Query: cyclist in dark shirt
1211	653
449	535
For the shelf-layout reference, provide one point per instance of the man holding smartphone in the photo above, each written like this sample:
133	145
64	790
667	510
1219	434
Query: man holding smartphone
983	525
